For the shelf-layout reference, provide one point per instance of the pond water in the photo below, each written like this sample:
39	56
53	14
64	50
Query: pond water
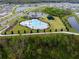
72	21
35	24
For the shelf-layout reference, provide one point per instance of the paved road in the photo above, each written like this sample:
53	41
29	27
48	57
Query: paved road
16	15
3	22
20	14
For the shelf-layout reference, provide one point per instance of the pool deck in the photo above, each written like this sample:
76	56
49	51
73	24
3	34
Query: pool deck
35	24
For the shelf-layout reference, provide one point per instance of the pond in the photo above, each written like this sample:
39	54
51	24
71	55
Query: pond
72	21
35	24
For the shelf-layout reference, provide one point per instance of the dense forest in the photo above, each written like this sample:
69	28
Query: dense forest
52	46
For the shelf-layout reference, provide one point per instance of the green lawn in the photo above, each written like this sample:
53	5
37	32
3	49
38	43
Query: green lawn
54	24
59	23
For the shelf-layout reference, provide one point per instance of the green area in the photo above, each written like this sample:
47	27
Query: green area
59	22
52	46
63	15
56	11
53	26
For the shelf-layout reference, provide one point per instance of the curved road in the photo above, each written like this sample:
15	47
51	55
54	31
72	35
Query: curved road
21	14
70	33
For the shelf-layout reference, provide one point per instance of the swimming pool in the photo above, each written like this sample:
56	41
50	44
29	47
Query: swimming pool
35	24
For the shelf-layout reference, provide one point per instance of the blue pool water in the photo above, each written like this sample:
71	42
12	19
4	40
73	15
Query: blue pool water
72	21
35	24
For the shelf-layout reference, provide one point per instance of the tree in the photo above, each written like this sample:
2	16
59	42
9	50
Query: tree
55	30
18	31
37	30
67	29
12	32
61	29
3	53
31	31
24	31
50	30
5	33
44	30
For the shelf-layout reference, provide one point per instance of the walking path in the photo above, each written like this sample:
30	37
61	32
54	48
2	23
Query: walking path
11	18
70	33
21	14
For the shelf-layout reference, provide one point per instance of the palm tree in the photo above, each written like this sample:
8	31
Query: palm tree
61	29
37	30
44	30
12	32
31	31
5	33
50	30
55	30
24	31
18	31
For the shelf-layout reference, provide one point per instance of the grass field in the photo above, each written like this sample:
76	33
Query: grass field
53	25
59	23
